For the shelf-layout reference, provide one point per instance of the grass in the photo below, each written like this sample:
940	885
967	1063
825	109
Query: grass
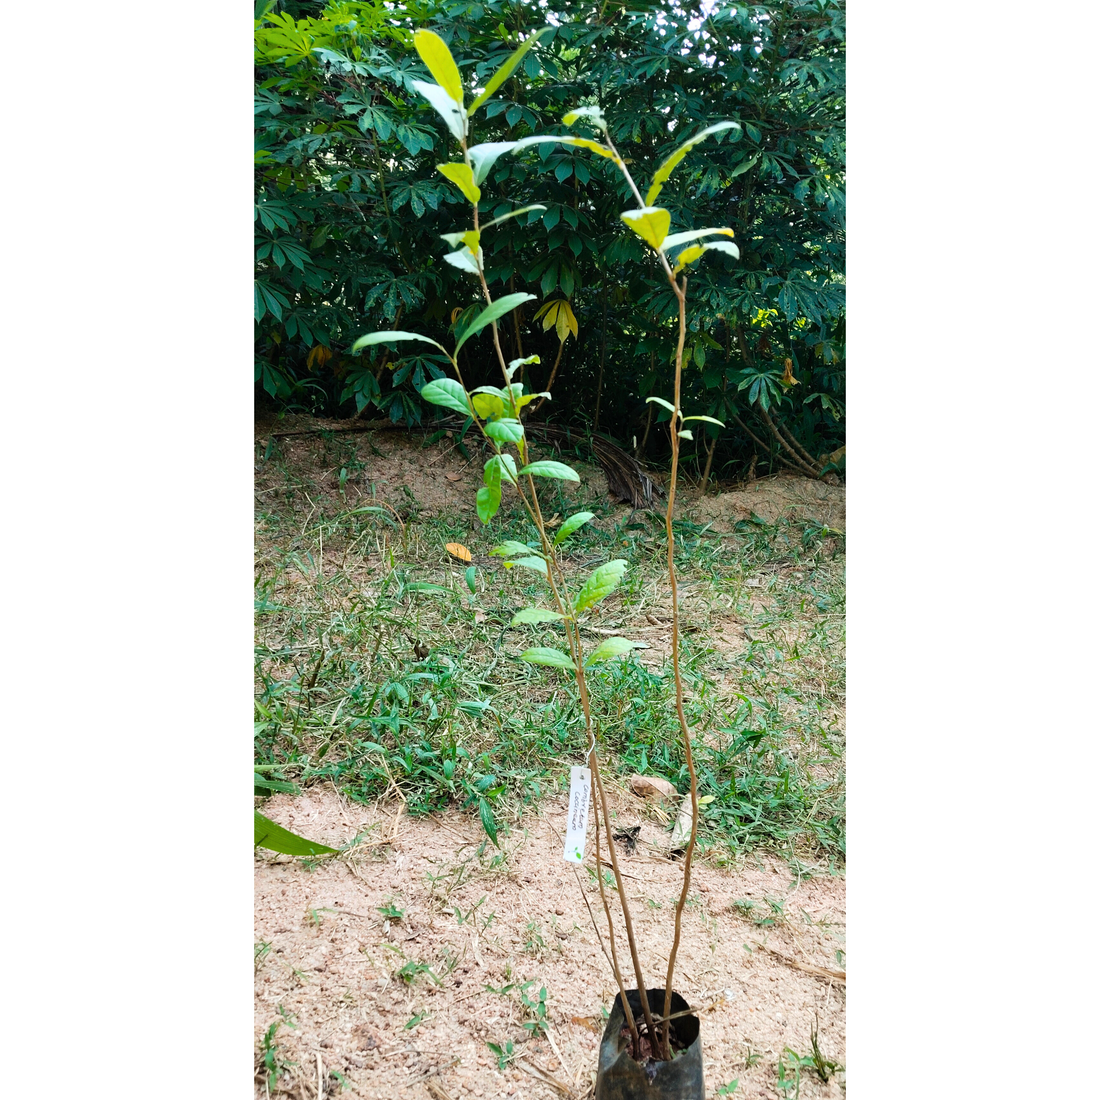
378	668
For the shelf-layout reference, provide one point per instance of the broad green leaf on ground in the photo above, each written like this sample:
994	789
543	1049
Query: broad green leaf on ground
275	838
505	71
549	468
541	655
535	615
389	337
601	582
578	519
452	114
678	155
492	313
448	393
608	649
462	176
275	786
650	223
437	57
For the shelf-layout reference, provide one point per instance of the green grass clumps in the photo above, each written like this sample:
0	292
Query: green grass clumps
380	668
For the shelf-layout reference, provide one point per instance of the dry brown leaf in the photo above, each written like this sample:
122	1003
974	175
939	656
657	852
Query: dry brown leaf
457	550
652	787
453	477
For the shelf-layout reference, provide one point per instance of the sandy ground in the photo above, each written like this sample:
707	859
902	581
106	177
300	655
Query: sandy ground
501	918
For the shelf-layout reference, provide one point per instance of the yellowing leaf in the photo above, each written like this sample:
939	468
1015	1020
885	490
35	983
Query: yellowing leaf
318	356
559	316
788	378
434	53
463	178
650	223
457	550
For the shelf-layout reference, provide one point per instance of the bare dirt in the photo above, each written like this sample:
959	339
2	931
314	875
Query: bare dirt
762	946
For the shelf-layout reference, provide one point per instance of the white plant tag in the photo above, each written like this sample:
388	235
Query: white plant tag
580	787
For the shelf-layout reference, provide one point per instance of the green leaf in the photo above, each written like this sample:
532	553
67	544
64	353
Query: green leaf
278	786
464	260
662	402
549	468
745	165
488	502
505	430
535	615
515	364
447	392
505	71
536	565
507	466
650	223
608	649
685	434
601	582
681	151
541	655
708	419
387	337
578	519
437	57
277	839
452	115
484	156
471	579
512	214
427	586
462	176
492	313
593	113
674	239
487	821
487	405
511	549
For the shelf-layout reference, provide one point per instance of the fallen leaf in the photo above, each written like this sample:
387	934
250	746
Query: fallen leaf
652	787
453	477
457	550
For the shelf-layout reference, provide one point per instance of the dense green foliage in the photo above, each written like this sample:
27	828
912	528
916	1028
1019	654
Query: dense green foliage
350	210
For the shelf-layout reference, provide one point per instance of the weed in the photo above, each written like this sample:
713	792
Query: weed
535	1008
416	1021
825	1069
533	943
390	911
262	949
728	1089
272	1061
504	1054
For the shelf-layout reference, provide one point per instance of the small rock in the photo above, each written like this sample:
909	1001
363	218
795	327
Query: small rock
326	1043
559	911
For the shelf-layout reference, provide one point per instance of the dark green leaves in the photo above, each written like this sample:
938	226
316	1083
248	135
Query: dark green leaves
601	582
608	649
678	155
488	822
275	838
390	337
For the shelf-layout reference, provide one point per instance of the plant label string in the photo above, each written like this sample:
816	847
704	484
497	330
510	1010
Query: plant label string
580	780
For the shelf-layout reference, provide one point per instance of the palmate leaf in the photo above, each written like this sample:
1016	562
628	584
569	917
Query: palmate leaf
600	583
271	835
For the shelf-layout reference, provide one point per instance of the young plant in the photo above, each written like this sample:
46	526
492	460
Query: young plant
497	413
